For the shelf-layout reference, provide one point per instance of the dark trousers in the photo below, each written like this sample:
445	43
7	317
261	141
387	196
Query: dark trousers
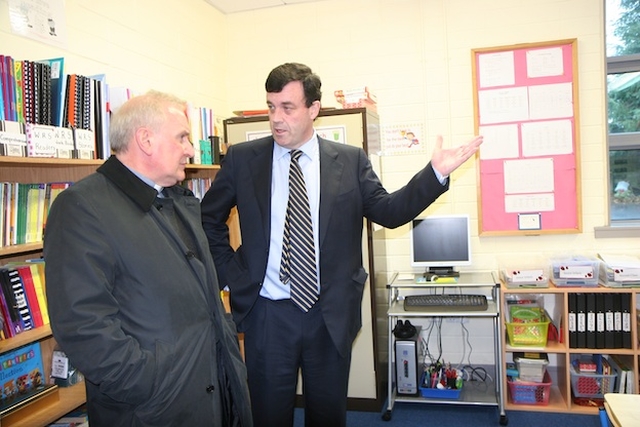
280	340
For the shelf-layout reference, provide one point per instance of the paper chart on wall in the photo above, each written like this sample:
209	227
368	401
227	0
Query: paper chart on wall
403	138
526	107
39	20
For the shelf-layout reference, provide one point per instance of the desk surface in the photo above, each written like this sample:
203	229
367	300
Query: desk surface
623	409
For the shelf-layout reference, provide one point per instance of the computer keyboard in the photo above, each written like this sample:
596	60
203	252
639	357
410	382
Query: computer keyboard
445	302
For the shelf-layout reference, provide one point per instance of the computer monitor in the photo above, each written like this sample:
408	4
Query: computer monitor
440	243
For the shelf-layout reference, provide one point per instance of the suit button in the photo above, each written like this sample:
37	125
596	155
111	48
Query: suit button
210	389
190	255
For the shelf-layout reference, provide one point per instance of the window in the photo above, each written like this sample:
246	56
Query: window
623	110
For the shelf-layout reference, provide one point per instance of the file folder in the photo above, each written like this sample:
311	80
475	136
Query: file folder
617	321
591	320
600	322
609	324
581	317
572	328
625	302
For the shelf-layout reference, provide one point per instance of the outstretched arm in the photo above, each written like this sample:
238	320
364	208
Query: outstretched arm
447	160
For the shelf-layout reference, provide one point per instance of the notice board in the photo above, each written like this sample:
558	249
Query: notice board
526	107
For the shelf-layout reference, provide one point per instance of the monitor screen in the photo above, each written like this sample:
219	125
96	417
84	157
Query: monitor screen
440	243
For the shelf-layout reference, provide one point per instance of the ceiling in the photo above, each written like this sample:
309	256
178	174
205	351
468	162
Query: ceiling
233	6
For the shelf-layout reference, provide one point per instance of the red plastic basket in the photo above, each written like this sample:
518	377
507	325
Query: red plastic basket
530	393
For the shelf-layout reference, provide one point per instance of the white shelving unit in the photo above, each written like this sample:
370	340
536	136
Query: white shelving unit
489	393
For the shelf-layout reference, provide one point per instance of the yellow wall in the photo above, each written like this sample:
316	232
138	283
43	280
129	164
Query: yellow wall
177	46
416	54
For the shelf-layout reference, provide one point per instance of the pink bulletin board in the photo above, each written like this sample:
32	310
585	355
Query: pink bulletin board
526	107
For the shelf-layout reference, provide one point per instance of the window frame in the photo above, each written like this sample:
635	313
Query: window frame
620	141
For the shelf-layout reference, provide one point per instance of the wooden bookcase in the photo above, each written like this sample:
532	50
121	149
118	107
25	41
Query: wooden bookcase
53	404
561	399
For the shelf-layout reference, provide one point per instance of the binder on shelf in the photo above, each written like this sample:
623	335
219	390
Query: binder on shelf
609	322
591	320
572	321
625	302
581	320
617	321
600	321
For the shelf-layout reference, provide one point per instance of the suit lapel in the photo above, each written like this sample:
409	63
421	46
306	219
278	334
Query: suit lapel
330	176
260	166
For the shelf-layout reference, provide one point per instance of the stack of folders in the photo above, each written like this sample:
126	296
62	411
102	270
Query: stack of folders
626	381
599	320
617	271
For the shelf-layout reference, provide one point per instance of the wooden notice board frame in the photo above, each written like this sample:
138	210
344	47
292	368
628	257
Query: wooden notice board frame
526	107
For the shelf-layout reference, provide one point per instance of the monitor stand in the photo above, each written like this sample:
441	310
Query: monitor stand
440	272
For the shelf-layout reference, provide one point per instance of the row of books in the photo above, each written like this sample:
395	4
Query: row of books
24	209
42	100
23	304
599	320
40	93
198	186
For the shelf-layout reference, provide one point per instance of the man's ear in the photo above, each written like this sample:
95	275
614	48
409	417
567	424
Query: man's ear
143	138
314	109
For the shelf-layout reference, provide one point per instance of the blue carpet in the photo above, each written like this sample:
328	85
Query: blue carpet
418	414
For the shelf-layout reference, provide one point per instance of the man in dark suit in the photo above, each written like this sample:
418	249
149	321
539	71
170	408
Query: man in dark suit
342	189
132	290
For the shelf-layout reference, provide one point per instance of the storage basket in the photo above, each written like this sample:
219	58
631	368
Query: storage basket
437	393
530	393
532	334
591	384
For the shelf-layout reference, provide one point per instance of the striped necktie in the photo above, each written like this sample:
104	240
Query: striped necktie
298	264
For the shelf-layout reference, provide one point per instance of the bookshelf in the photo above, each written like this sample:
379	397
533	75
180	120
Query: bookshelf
561	398
52	404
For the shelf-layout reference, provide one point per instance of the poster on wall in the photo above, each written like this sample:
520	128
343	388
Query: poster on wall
41	20
402	138
526	107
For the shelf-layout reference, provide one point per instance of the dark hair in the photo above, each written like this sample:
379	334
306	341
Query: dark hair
283	74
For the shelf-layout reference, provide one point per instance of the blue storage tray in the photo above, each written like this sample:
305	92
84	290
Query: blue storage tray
436	393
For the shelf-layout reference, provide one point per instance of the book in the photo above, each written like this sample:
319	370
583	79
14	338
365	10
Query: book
206	152
26	275
58	84
8	329
37	275
41	140
22	376
13	316
21	213
20	298
84	143
34	213
13	139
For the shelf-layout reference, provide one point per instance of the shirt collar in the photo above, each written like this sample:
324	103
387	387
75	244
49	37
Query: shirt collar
310	148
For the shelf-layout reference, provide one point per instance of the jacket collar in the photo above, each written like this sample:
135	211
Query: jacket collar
138	191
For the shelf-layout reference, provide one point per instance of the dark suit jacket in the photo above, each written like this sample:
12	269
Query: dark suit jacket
349	191
135	310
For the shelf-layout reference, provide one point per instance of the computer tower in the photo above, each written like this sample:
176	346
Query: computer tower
407	351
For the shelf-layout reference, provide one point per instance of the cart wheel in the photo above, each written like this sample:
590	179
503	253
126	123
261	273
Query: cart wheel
386	416
504	420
